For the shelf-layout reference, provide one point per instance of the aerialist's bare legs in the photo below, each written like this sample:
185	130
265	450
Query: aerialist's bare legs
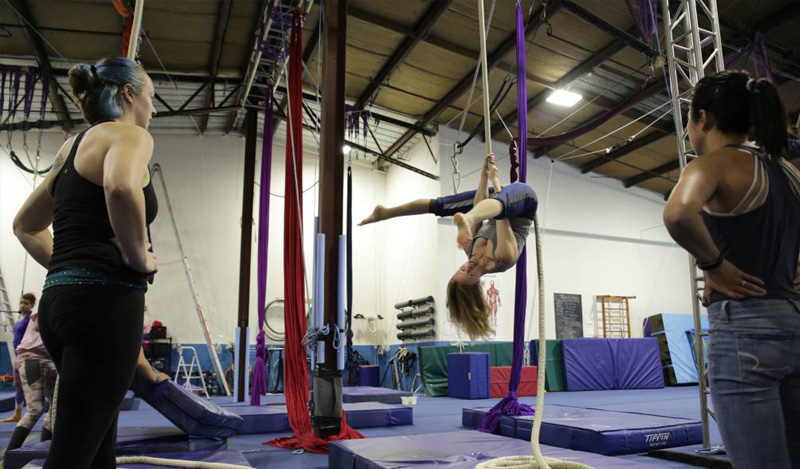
485	209
416	207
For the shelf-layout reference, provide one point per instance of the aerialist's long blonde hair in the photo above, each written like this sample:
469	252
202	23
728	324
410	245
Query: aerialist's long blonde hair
469	309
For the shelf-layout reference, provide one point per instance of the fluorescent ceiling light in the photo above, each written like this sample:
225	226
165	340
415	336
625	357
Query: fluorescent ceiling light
346	149
564	98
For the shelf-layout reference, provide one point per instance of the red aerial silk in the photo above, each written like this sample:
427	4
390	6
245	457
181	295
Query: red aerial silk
126	13
296	371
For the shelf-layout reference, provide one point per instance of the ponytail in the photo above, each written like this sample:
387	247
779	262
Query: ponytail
741	105
768	116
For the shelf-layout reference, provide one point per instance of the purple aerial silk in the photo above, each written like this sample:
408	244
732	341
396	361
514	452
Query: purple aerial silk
510	405
45	92
758	41
30	84
259	371
590	125
648	22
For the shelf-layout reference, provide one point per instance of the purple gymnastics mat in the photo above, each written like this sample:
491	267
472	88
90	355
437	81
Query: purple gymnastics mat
352	394
222	457
596	364
451	450
274	418
129	441
597	431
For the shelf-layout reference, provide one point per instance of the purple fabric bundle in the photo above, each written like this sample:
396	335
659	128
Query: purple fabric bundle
758	41
510	405
13	75
259	371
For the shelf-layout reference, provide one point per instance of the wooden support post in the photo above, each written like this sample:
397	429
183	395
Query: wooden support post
327	378
251	135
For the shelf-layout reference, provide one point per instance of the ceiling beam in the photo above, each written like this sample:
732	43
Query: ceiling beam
609	28
656	172
576	73
223	18
654	88
622	150
787	13
39	51
422	29
491	61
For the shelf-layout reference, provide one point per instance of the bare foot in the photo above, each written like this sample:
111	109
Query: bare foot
464	230
378	214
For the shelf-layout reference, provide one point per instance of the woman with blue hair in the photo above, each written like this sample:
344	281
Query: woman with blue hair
99	199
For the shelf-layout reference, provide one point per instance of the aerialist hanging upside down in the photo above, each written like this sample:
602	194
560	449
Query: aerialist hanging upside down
491	247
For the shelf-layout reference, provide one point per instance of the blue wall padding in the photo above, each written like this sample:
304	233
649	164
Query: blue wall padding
192	414
7	401
6	362
680	351
598	431
468	375
130	441
369	375
353	394
599	364
453	450
637	364
588	364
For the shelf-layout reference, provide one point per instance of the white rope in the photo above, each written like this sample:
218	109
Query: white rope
177	463
487	114
537	461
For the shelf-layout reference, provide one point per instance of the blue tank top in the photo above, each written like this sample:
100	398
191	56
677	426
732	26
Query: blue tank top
764	242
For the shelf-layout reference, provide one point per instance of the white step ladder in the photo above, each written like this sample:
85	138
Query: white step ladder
190	371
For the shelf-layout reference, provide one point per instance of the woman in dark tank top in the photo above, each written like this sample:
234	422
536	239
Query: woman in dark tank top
736	209
99	199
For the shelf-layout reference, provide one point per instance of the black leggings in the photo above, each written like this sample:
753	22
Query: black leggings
93	334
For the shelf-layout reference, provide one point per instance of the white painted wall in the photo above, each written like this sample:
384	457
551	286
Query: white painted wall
599	238
204	177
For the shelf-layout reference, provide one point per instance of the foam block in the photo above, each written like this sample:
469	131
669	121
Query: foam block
352	394
7	401
130	441
598	431
130	402
452	450
369	375
501	376
191	413
468	375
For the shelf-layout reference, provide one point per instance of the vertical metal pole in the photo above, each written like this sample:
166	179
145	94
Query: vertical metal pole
328	380
686	65
133	43
251	124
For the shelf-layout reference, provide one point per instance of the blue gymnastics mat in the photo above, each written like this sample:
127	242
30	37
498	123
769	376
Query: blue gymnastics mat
275	419
130	441
451	450
597	431
130	402
220	457
352	394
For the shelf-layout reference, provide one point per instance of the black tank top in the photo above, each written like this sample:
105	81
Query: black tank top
82	231
763	242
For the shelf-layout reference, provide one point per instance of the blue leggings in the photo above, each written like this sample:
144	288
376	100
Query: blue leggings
518	199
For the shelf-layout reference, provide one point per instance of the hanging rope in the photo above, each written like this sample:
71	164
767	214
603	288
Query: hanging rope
259	371
177	463
510	405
